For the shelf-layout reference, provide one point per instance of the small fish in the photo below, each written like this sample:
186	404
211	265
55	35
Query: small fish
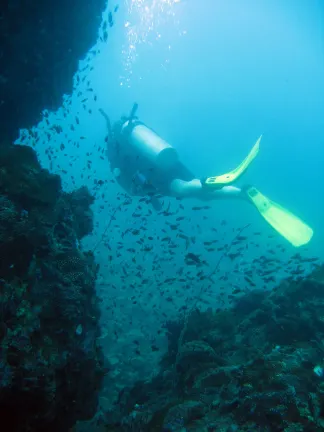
110	19
193	257
249	281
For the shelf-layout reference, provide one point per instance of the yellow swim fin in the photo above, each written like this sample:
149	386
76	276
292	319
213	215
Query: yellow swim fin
231	177
285	223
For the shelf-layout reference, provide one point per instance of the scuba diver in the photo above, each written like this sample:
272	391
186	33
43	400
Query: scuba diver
145	165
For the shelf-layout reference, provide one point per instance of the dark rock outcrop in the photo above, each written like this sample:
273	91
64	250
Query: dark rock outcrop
41	42
51	365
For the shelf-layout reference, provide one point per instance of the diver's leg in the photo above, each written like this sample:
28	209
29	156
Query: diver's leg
291	227
225	192
195	189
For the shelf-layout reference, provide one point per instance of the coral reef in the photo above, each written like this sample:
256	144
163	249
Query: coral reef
41	44
257	366
51	366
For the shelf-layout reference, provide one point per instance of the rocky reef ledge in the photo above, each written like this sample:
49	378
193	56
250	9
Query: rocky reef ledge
258	366
51	365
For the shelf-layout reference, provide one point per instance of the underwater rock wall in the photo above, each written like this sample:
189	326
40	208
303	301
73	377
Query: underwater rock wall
41	44
51	365
258	366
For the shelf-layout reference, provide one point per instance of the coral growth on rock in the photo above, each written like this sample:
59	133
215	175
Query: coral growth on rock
51	366
248	368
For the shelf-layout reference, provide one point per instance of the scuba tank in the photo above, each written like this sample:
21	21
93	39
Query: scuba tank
144	142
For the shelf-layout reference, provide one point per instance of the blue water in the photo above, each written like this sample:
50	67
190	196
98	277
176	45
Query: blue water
210	77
